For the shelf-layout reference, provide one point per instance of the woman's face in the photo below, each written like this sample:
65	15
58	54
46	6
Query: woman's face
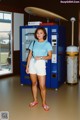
40	34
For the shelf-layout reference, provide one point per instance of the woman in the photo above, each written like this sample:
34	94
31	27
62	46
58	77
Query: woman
40	51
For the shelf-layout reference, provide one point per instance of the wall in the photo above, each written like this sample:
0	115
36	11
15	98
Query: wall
18	21
79	43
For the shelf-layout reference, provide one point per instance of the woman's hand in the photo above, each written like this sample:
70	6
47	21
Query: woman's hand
27	69
28	61
37	58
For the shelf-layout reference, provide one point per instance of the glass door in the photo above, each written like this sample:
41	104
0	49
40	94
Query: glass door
5	43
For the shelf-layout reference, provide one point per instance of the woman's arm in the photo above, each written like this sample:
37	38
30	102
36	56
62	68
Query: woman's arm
28	61
48	57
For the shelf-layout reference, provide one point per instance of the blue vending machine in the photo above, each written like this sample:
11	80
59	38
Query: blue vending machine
56	67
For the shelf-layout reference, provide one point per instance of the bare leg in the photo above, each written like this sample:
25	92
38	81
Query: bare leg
43	92
34	86
42	88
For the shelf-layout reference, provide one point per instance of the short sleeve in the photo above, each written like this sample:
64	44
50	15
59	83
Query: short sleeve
31	45
49	47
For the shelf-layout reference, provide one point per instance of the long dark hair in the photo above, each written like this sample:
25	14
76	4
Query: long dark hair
40	28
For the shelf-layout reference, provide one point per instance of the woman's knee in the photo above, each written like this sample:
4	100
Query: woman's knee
42	87
34	83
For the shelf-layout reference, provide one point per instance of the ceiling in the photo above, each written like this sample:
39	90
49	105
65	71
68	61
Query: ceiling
65	10
21	4
24	2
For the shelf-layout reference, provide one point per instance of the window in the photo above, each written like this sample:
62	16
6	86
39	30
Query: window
5	43
1	15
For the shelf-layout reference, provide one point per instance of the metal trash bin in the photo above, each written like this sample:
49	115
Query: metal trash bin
72	63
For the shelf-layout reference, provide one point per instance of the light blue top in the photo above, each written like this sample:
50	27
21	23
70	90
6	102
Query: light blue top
40	48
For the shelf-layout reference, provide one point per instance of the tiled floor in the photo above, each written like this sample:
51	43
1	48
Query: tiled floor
14	98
